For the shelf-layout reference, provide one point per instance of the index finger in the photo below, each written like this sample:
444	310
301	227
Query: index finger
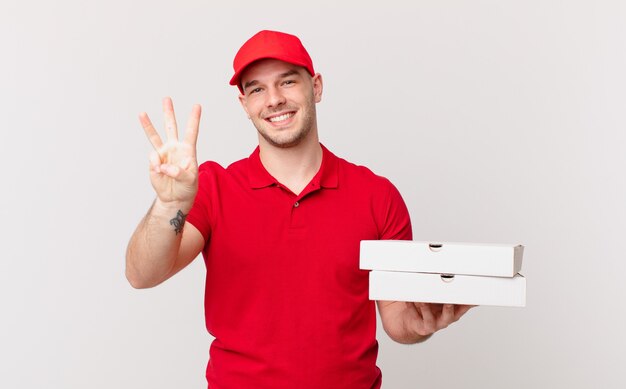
193	124
461	310
151	132
452	313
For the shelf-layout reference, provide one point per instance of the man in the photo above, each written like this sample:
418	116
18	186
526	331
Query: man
279	232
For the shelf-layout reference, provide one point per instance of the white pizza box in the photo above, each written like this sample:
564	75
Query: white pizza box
450	289
497	260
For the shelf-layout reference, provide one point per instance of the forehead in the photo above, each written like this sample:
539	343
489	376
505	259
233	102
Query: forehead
267	69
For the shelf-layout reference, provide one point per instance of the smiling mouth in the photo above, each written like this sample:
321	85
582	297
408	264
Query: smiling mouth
280	118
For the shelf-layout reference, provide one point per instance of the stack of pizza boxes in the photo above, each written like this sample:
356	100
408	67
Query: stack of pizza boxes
454	273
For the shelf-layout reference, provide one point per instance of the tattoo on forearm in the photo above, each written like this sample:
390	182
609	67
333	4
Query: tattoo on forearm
178	222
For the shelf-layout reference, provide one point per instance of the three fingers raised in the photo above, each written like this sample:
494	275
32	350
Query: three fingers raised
171	130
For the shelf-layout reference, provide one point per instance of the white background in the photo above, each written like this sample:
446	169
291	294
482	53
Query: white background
499	121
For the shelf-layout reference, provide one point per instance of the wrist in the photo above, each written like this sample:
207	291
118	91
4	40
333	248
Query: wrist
174	212
171	207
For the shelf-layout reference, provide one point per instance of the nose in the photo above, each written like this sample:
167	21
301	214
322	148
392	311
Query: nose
275	97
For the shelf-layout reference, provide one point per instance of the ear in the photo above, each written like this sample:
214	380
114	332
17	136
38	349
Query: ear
243	101
318	86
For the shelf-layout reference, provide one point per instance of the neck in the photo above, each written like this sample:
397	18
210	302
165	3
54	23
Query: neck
294	166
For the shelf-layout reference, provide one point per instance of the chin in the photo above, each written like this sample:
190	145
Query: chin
283	138
285	142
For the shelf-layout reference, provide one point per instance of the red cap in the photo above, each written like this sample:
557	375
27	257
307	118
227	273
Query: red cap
270	44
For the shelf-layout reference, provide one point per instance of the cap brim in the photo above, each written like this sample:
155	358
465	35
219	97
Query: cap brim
236	79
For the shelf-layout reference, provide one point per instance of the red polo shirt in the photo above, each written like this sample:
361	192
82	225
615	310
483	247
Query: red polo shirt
285	299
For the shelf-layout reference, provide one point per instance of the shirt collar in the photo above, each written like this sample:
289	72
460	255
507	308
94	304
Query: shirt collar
259	177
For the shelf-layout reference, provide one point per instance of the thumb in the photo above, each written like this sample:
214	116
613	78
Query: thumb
171	171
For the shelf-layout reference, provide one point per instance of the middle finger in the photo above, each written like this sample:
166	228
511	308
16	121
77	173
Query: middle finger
447	315
428	320
170	120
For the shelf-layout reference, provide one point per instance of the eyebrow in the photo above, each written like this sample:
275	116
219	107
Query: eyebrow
286	74
249	83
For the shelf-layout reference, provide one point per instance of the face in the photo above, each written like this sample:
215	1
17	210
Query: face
280	100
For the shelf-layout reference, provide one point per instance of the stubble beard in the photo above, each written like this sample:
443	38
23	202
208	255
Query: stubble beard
294	138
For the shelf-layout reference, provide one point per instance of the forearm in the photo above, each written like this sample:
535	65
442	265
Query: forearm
153	248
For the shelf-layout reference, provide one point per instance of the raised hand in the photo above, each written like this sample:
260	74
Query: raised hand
173	164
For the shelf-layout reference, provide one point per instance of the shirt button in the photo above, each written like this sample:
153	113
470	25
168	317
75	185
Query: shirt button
296	204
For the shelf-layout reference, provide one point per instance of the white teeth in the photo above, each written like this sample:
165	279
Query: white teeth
281	117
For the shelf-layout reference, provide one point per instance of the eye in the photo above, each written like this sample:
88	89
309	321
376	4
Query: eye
255	90
288	82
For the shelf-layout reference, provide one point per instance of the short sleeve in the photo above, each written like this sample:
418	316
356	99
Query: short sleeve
200	215
397	221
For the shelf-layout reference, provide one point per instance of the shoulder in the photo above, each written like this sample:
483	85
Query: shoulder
212	168
387	206
355	174
208	173
362	182
218	180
